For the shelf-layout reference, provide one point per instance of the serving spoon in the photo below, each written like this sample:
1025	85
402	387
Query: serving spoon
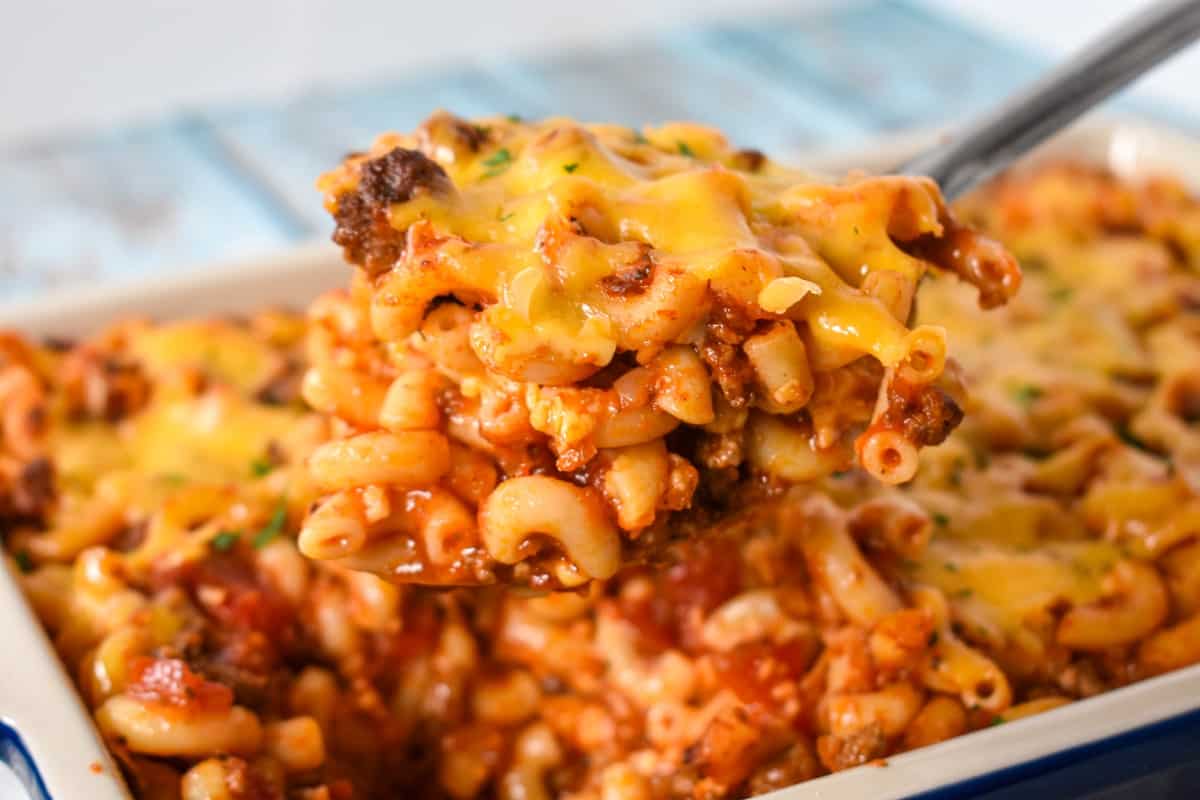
1008	131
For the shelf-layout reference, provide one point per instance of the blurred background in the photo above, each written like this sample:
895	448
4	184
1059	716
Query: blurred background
150	135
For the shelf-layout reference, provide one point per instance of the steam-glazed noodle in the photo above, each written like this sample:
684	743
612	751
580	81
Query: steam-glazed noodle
154	480
603	314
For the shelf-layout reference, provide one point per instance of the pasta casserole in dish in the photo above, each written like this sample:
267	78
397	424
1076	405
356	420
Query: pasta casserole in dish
162	483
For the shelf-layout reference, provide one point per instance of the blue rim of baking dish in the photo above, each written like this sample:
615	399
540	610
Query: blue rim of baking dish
15	755
1159	746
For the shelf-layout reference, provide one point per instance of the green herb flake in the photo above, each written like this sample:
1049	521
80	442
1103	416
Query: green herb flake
1062	295
684	150
950	566
260	467
956	472
173	478
997	721
638	137
24	561
1026	394
497	162
569	168
940	519
505	217
224	541
514	118
963	594
1126	436
273	527
498	158
482	130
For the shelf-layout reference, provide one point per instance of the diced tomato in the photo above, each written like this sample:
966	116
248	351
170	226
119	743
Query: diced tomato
171	682
707	575
753	671
228	589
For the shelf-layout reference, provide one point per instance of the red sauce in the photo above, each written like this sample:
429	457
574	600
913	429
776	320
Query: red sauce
708	575
418	634
171	682
228	589
753	671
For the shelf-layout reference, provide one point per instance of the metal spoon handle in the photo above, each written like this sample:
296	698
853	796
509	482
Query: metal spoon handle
1027	118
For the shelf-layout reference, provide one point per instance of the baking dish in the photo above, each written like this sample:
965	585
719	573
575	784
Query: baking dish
47	738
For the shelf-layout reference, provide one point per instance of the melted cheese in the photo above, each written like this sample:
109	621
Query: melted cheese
1015	583
539	214
211	438
224	353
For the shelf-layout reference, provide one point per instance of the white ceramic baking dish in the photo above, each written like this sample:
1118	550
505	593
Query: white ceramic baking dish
47	737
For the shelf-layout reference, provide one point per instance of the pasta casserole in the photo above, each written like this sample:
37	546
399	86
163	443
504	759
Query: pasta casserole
566	345
154	483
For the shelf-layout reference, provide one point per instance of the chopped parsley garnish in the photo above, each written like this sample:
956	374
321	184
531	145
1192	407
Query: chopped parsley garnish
639	138
513	117
950	566
684	150
497	162
482	130
1128	438
505	217
963	594
260	467
569	168
24	561
996	721
1062	295
273	527
1026	394
498	158
940	519
224	541
956	472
